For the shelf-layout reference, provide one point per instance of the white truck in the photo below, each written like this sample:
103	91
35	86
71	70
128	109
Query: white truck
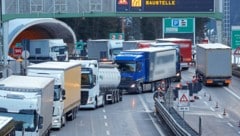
29	100
67	88
104	49
213	63
98	84
47	49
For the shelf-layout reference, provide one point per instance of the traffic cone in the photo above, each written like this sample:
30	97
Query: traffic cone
224	112
210	98
216	105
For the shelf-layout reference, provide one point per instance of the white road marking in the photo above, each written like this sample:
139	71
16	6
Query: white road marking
231	92
106	124
212	108
107	132
205	102
104	110
147	110
230	124
105	117
220	116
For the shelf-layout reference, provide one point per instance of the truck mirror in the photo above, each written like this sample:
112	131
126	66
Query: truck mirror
63	97
110	52
40	122
63	92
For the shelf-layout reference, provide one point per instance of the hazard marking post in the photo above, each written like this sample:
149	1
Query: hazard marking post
183	100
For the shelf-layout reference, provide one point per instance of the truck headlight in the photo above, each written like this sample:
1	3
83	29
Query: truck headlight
91	100
178	74
133	86
56	120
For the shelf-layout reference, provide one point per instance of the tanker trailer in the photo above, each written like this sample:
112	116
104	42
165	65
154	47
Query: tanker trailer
109	80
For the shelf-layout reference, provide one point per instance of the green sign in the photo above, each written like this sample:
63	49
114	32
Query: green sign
235	42
18	45
80	45
118	36
178	25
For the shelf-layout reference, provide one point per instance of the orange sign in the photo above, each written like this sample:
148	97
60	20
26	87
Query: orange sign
17	51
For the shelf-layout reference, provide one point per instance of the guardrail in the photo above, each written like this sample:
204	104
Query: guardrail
177	124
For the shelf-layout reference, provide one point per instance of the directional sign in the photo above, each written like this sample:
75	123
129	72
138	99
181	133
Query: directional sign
178	25
235	35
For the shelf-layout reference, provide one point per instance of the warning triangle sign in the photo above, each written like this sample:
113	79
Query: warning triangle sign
184	98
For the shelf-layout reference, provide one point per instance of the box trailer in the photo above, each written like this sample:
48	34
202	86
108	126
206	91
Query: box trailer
213	63
67	93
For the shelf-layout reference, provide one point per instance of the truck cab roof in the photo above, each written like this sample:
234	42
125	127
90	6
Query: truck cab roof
4	121
213	46
25	81
54	65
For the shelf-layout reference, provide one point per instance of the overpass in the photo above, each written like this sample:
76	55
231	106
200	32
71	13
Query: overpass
16	9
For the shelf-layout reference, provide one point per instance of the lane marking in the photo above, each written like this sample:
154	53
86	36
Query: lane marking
107	132
231	92
104	110
106	124
105	117
206	103
212	108
220	116
154	123
230	124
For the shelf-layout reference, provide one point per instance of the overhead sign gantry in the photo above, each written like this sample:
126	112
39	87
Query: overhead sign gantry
165	6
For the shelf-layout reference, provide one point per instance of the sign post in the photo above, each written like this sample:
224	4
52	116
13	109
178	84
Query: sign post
183	101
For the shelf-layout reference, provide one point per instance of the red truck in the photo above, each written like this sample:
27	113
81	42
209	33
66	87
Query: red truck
185	49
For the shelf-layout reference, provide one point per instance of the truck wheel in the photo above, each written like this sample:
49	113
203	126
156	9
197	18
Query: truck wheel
153	88
113	98
103	102
75	112
226	84
96	104
63	120
118	96
120	99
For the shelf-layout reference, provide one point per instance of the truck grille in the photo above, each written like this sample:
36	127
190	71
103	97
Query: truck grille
61	58
125	82
84	97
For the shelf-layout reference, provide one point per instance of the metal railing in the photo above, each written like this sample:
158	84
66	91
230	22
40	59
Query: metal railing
177	124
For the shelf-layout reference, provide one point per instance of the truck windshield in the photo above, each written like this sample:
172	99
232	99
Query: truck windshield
57	93
86	80
60	49
28	120
127	67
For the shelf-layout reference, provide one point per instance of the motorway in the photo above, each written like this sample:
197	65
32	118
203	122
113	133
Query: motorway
218	108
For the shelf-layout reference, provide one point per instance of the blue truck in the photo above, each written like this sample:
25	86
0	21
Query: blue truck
144	69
